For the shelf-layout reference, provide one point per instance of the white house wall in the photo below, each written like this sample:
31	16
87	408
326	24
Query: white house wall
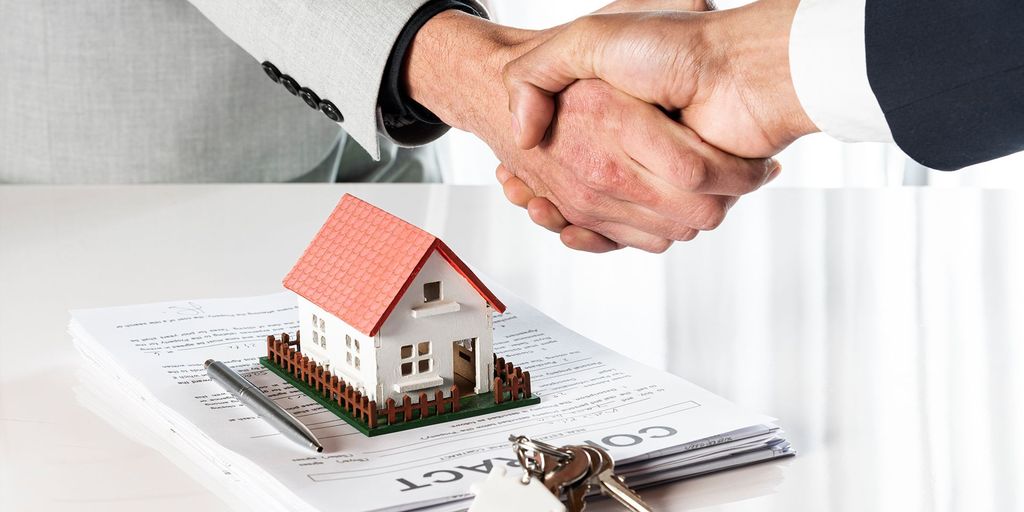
365	378
473	320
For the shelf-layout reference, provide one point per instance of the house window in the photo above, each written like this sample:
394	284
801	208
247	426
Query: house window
416	358
352	351
432	291
316	335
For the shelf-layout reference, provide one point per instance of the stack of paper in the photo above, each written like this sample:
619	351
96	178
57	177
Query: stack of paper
146	375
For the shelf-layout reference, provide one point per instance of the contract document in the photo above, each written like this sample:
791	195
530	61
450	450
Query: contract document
145	374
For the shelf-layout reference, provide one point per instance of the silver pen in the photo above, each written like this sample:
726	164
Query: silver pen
250	395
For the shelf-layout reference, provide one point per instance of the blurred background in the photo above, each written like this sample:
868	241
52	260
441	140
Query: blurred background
814	161
864	300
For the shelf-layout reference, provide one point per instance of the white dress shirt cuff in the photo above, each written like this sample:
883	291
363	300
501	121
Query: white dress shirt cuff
829	70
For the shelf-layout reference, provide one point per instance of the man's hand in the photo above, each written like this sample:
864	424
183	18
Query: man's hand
613	164
726	73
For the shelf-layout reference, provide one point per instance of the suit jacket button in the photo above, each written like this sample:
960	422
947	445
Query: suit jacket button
331	111
310	98
290	85
271	71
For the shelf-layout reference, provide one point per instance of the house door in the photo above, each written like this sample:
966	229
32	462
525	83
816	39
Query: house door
464	365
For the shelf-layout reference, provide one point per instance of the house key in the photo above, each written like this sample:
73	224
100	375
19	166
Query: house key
576	493
572	474
612	485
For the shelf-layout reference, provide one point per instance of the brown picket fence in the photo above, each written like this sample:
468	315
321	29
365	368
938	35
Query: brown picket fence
423	408
510	381
283	353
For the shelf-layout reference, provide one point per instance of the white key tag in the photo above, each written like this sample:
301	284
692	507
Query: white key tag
499	493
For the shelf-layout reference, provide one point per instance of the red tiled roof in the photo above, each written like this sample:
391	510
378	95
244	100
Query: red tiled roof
361	262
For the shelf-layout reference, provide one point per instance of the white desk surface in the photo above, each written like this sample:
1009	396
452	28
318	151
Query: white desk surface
884	328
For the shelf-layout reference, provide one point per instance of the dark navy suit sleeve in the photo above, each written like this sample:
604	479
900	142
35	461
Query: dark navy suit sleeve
949	76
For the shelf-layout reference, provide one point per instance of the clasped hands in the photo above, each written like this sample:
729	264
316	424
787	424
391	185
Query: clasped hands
639	125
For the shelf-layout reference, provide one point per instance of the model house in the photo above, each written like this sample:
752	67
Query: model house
390	309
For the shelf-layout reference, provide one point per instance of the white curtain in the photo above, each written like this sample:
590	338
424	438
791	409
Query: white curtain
883	324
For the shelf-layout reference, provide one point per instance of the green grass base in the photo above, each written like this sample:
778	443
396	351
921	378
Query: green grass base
469	406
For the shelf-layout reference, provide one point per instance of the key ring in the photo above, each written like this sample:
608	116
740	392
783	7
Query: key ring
523	444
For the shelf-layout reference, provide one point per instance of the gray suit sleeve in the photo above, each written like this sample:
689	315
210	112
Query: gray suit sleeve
336	48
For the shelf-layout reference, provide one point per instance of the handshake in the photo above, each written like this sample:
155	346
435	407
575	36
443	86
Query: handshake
639	125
